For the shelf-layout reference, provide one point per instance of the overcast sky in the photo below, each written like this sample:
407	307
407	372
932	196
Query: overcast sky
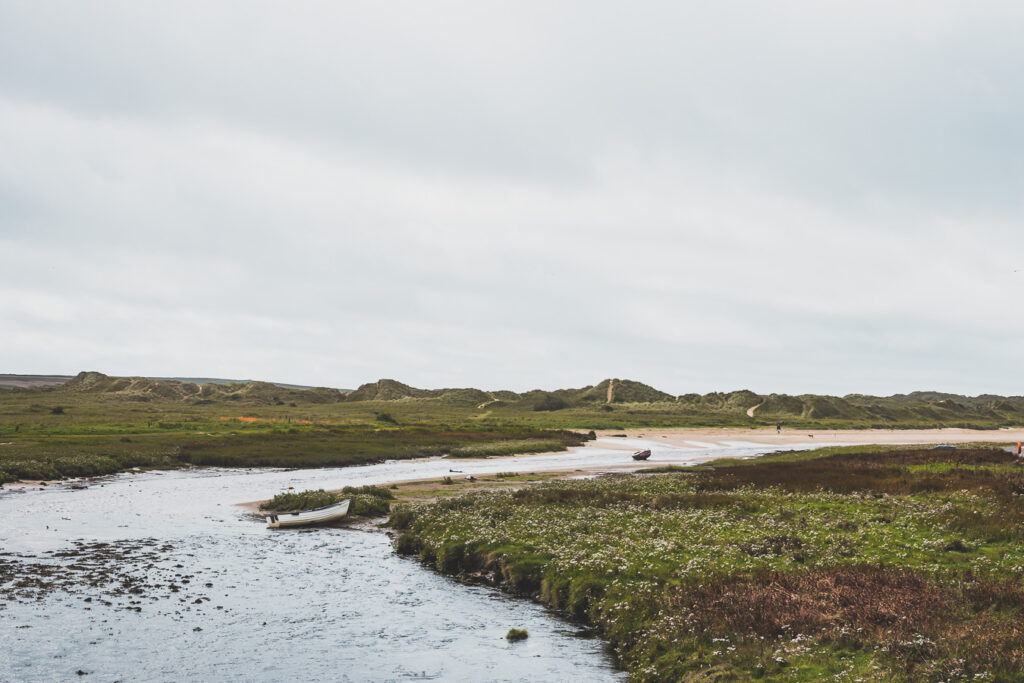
790	196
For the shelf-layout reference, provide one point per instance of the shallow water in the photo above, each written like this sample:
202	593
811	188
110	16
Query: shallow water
161	577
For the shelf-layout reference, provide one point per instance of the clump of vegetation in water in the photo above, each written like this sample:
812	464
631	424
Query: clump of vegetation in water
516	634
891	564
300	500
374	491
366	501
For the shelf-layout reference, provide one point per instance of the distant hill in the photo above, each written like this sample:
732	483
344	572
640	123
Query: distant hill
215	380
32	381
40	381
146	389
917	409
392	390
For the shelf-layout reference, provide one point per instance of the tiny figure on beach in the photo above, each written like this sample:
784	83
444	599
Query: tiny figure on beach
778	427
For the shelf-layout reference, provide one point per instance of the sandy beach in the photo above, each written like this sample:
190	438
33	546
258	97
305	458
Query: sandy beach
708	437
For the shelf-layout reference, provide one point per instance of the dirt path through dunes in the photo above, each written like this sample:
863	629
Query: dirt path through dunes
751	409
487	403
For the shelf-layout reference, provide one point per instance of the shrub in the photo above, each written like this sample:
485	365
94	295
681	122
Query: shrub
450	556
368	506
302	500
550	403
516	634
401	518
408	544
375	491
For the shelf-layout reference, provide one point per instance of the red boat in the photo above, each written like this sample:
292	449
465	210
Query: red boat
642	455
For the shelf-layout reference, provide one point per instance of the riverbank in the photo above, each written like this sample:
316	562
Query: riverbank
719	437
87	451
870	562
674	446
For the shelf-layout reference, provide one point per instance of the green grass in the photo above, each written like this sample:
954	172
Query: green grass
871	563
261	425
76	450
511	447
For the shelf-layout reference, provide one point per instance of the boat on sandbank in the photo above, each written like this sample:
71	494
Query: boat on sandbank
642	455
320	515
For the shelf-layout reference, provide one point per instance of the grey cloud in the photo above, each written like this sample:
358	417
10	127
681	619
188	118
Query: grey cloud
787	197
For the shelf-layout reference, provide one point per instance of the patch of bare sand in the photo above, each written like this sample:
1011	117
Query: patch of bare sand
769	437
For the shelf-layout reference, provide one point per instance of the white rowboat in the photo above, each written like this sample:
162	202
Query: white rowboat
324	515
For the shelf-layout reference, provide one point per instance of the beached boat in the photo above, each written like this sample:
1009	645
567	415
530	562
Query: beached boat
322	515
642	455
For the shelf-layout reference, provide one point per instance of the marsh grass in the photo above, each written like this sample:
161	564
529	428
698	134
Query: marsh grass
512	447
95	451
270	429
366	501
879	564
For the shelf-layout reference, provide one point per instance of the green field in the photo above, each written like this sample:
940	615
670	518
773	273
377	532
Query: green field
848	564
67	432
95	424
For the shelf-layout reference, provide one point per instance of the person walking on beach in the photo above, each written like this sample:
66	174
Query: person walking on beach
778	427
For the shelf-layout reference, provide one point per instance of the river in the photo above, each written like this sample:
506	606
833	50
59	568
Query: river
160	576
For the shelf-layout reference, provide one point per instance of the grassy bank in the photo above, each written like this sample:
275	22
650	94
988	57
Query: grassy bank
71	453
851	564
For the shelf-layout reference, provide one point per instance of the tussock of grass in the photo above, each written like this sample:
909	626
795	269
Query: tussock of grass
374	491
300	500
366	501
877	565
516	634
665	469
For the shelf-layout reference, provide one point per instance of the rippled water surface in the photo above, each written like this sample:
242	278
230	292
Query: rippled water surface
159	576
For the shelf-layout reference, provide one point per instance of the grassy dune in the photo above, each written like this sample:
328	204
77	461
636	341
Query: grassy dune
850	564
